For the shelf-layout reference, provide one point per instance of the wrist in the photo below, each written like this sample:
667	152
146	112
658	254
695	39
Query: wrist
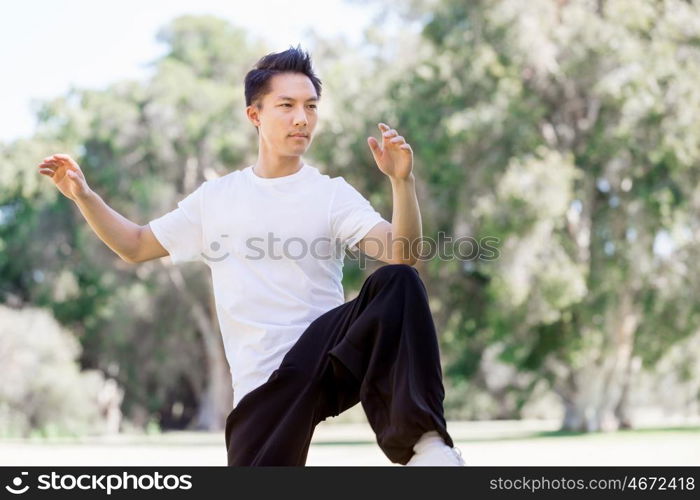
84	197
405	181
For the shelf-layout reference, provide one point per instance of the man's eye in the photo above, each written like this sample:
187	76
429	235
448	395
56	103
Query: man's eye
312	106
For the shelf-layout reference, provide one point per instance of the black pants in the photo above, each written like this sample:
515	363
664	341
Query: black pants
379	349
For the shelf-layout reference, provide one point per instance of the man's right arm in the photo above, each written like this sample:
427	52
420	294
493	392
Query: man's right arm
133	243
130	241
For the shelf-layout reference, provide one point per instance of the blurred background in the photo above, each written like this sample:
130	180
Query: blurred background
567	131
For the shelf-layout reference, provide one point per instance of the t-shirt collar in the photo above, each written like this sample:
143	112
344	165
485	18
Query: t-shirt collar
277	180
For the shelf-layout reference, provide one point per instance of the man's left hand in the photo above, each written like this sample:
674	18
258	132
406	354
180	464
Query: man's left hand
394	156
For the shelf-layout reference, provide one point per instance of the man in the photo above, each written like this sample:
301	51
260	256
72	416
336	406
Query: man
298	354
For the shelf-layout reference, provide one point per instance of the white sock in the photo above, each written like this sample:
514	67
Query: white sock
428	440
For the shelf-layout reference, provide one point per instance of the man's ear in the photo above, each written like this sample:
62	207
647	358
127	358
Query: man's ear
253	114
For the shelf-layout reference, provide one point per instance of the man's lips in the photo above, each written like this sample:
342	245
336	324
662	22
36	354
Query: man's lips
300	135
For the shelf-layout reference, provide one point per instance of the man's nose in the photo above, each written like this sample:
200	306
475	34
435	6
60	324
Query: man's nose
300	118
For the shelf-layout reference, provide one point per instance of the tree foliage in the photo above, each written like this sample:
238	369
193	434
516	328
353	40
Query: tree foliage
564	130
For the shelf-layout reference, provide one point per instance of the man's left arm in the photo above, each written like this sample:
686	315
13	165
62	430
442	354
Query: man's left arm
398	242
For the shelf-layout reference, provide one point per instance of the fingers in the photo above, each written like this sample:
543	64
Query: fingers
47	168
49	163
56	158
390	138
56	161
375	148
386	130
66	160
60	158
390	135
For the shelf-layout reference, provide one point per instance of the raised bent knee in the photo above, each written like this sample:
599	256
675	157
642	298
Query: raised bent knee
393	270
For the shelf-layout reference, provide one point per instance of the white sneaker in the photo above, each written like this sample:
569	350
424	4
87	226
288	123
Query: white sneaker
438	456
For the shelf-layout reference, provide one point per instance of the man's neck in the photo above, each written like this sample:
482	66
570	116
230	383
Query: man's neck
277	166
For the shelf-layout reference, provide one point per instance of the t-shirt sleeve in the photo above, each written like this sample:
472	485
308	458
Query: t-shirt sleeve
180	231
352	216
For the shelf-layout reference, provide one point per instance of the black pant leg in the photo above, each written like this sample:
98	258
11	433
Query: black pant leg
274	423
391	347
380	349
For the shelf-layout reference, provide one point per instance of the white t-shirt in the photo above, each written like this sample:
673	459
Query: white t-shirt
275	249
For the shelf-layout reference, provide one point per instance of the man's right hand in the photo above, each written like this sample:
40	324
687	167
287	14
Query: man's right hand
132	242
66	175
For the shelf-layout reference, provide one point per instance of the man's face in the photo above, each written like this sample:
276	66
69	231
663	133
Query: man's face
288	116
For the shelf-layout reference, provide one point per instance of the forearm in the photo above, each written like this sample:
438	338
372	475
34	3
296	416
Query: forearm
115	230
406	223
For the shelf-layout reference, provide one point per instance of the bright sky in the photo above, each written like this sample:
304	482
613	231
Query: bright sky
49	46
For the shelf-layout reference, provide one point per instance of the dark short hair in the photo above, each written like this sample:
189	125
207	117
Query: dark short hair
292	60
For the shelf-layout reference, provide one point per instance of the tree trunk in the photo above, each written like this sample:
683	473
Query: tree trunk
216	402
594	391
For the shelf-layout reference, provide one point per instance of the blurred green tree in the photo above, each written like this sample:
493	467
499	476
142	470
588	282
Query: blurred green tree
566	130
143	147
